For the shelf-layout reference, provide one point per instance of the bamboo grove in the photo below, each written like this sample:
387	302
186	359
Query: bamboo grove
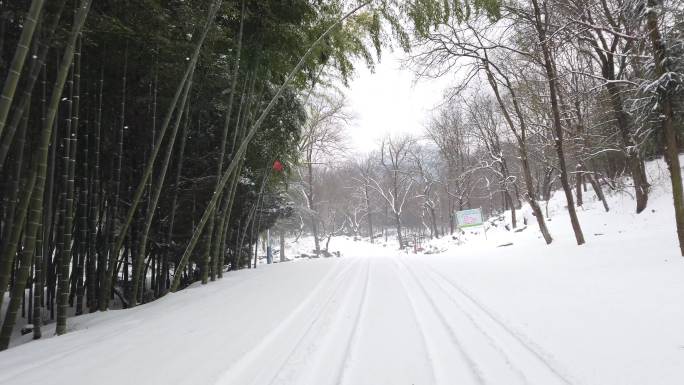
137	139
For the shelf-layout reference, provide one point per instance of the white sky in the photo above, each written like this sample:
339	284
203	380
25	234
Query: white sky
389	101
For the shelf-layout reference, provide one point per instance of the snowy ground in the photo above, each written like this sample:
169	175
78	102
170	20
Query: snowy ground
608	312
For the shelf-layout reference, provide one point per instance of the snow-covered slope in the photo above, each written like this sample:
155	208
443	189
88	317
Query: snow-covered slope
608	312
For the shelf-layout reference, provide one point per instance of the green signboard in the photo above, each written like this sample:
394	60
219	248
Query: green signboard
469	218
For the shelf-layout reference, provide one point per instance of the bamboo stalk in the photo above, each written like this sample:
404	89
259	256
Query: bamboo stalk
34	71
147	173
17	65
156	193
245	143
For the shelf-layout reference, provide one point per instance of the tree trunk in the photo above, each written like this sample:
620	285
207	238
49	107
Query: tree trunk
110	265
368	213
35	187
15	185
39	278
433	221
397	222
96	275
670	134
218	215
70	138
154	199
578	185
509	199
83	219
597	188
174	201
312	206
147	173
10	86
521	138
634	161
558	139
17	291
37	64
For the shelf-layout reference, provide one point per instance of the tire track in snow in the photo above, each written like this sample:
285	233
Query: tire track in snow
250	360
490	340
479	310
313	341
421	325
352	341
455	339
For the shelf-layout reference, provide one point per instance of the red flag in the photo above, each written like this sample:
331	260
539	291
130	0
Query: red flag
277	166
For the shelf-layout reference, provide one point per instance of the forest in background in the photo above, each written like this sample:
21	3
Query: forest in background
504	135
137	137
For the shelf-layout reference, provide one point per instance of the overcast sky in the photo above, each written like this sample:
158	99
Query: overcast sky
389	101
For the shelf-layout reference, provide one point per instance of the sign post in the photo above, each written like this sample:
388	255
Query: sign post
471	218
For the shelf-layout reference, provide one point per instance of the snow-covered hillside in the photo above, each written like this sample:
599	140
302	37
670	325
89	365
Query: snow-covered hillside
608	312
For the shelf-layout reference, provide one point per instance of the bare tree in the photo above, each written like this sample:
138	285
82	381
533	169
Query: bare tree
475	50
425	182
484	119
395	187
322	141
365	168
601	34
449	134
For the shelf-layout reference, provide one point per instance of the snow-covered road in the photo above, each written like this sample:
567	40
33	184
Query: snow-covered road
393	321
381	320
